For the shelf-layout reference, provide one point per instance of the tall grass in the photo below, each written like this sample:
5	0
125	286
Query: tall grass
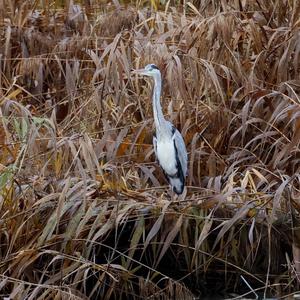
85	211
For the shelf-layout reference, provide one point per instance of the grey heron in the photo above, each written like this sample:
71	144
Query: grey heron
169	146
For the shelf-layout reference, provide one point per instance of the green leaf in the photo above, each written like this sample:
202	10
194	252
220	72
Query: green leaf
6	176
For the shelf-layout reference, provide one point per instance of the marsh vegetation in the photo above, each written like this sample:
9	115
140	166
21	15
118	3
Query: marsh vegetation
85	211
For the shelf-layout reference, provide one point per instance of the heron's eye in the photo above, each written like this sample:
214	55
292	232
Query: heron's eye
154	67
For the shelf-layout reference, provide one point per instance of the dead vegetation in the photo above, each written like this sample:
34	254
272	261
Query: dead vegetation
85	211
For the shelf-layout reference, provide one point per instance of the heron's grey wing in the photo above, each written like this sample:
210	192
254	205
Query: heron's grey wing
155	145
181	150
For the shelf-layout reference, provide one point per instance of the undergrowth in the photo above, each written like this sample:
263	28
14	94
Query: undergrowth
85	211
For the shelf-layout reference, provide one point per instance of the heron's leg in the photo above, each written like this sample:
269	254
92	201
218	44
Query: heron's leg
173	195
180	197
183	195
170	193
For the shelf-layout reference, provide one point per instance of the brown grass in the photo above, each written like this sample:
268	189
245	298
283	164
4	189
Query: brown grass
85	211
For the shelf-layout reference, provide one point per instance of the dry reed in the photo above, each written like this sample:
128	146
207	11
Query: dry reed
84	208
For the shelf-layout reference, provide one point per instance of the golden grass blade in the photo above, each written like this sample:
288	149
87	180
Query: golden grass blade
149	175
118	142
205	231
169	239
7	51
156	227
139	230
106	227
86	150
53	221
226	225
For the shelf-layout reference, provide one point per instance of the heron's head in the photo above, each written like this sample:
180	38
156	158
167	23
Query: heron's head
150	70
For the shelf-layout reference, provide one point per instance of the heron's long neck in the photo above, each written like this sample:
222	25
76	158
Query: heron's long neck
159	119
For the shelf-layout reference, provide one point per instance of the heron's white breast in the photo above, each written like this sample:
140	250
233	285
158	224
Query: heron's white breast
166	155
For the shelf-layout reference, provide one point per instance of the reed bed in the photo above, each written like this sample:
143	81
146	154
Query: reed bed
85	211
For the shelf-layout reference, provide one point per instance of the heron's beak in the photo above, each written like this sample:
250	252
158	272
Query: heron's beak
140	72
